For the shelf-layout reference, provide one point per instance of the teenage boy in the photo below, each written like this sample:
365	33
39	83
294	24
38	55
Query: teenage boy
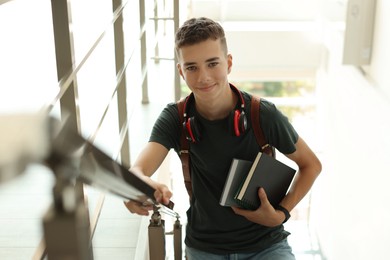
214	123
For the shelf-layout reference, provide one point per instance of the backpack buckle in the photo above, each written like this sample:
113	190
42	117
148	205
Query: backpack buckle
183	151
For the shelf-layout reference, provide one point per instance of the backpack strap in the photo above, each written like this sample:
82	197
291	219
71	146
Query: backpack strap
255	120
184	152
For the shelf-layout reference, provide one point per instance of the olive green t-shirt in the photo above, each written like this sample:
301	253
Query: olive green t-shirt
211	227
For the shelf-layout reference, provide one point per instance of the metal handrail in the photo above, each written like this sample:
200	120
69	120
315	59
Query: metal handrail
70	76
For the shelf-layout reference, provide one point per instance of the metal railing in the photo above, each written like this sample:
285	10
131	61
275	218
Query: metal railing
67	97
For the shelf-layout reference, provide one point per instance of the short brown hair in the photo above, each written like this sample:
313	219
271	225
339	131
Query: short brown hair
196	30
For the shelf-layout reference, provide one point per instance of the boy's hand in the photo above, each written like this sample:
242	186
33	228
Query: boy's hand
265	215
162	195
136	207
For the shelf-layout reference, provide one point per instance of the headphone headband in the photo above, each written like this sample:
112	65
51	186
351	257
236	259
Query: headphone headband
185	105
238	93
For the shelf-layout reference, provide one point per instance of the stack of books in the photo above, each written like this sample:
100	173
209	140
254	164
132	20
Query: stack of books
245	178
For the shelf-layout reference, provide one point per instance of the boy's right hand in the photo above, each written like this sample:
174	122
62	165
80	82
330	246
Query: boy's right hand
136	207
162	195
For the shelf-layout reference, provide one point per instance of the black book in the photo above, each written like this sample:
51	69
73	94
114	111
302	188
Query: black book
238	171
269	173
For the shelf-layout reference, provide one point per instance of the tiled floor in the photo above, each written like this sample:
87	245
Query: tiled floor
23	201
117	231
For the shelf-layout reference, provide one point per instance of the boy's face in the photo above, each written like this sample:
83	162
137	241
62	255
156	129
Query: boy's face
205	67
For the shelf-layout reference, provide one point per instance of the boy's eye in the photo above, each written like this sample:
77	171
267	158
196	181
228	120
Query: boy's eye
213	64
191	68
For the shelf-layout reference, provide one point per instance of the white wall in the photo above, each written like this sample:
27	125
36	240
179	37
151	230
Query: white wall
381	54
353	209
256	52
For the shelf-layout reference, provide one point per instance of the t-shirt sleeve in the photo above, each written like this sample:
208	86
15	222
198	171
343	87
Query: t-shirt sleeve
277	129
166	129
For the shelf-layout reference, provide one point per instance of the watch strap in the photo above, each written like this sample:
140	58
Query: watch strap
285	211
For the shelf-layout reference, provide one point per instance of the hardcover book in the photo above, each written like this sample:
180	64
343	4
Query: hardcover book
269	173
238	171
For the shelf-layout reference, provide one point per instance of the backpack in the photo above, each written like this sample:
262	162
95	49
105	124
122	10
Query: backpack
184	143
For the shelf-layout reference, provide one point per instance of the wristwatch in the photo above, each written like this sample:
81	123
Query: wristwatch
285	211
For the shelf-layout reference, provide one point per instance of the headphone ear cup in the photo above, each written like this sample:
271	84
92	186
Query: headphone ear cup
239	122
243	122
192	130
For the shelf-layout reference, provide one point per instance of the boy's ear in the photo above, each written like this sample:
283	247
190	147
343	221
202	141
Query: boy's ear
180	70
230	62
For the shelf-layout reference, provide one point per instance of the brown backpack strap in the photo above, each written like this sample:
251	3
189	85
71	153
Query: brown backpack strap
184	152
255	120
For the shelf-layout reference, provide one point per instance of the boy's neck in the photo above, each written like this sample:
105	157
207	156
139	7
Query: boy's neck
218	108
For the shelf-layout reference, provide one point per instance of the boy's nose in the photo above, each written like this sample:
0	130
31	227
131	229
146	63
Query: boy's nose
204	76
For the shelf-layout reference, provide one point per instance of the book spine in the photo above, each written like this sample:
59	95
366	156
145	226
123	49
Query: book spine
247	180
228	183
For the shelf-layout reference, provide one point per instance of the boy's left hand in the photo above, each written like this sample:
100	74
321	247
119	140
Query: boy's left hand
265	215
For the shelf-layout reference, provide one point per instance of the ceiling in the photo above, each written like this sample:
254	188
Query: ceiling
269	10
273	38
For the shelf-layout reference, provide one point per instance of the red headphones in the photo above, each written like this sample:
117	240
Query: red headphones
237	119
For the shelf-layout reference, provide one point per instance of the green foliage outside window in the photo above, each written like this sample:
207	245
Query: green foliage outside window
296	88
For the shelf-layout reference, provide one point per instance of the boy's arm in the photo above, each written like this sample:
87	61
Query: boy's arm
145	165
150	158
309	169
